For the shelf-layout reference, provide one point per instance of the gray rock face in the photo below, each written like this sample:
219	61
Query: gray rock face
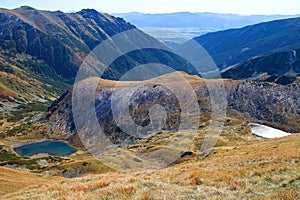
270	103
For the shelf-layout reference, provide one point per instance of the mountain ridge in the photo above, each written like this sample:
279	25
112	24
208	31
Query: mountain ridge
245	43
157	19
280	67
47	48
244	97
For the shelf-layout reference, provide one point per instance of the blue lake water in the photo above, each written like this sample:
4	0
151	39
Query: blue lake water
49	147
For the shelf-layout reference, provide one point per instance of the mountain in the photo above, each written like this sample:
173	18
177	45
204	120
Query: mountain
234	46
57	38
281	67
41	51
204	20
261	102
211	138
181	26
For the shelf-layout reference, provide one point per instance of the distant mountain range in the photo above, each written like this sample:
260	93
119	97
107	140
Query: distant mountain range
165	26
211	21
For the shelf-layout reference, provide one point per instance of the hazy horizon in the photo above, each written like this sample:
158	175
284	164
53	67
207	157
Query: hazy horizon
255	7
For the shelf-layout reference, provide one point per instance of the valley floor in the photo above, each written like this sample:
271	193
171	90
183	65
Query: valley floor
257	169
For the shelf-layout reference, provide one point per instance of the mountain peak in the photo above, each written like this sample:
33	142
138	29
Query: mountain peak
25	8
88	10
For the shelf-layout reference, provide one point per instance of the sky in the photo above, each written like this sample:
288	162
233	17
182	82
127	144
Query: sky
246	7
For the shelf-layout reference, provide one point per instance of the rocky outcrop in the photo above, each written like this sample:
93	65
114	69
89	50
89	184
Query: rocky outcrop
268	103
273	104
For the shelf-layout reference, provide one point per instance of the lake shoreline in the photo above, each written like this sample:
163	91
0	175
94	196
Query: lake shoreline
18	145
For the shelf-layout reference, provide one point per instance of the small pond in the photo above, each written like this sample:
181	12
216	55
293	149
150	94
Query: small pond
58	148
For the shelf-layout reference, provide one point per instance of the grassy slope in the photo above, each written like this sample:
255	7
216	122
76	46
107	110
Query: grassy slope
251	168
12	180
23	95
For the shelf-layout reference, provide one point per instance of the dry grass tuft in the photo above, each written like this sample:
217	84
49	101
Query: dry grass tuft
285	194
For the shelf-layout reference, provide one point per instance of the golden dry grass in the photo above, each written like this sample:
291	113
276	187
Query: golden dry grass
177	78
12	180
258	169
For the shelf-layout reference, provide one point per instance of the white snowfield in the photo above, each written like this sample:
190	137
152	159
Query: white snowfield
266	131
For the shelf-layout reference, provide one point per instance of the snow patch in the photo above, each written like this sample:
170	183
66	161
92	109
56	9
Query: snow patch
266	131
245	49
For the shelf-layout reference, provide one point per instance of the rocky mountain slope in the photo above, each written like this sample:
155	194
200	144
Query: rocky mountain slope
281	67
269	103
235	46
45	50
